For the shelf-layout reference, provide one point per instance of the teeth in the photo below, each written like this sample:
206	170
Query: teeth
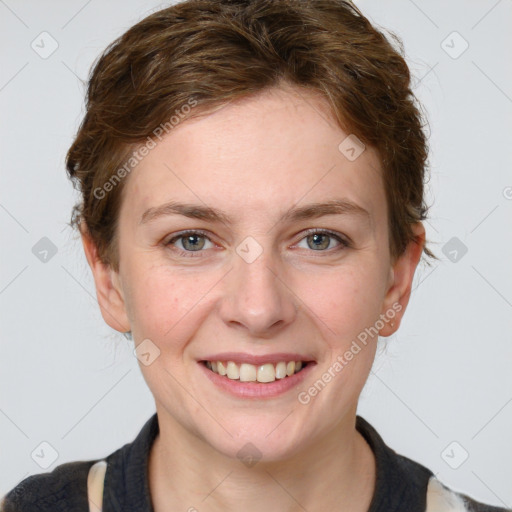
233	371
221	369
266	373
280	370
246	372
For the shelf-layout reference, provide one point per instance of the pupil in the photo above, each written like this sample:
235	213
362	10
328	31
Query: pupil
316	238
190	240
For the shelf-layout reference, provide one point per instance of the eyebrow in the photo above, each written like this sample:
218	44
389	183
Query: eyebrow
207	213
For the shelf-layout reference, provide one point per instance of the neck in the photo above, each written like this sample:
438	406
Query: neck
337	473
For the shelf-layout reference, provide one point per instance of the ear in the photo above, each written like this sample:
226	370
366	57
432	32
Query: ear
108	287
400	282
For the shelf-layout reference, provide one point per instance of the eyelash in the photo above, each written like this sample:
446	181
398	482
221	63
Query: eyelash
344	243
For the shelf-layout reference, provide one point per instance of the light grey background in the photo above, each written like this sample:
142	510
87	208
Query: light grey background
69	380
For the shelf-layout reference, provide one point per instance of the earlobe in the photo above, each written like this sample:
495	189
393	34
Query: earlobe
108	288
402	275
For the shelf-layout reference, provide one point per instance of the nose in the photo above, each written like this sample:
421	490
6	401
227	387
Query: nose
257	297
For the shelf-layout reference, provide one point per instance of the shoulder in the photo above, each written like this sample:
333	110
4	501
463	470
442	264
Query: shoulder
63	489
405	484
440	498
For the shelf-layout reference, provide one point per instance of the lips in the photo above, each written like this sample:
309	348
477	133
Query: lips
239	357
256	390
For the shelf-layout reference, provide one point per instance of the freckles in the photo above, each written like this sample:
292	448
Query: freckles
166	297
346	303
153	296
344	292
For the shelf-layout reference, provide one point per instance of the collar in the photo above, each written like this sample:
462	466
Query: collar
401	483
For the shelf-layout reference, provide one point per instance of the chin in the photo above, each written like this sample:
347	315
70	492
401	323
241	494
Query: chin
261	441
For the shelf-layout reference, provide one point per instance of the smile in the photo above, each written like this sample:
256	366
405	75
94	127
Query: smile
264	373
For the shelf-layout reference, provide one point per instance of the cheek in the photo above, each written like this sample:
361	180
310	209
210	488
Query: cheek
347	308
160	298
346	300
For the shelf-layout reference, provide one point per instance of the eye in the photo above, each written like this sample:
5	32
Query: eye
320	240
190	241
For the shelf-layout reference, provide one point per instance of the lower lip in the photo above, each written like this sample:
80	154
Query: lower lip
257	389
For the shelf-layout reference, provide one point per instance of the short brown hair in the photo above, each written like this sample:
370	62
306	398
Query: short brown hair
217	51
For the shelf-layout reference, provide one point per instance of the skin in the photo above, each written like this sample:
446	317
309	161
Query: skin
255	159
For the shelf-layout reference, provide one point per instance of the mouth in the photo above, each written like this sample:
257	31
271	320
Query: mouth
260	373
250	376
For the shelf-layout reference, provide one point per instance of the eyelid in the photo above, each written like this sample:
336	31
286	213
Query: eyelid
186	232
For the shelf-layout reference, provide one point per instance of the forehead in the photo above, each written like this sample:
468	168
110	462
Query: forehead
258	155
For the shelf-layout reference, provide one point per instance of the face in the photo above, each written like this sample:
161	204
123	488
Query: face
226	255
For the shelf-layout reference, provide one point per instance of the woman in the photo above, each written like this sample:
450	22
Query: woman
252	204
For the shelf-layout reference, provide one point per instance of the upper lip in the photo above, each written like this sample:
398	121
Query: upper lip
240	357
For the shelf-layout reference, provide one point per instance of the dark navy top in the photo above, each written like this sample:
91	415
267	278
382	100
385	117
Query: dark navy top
401	484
